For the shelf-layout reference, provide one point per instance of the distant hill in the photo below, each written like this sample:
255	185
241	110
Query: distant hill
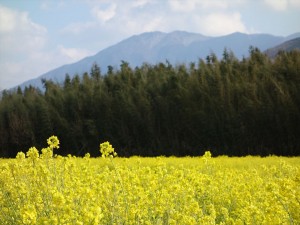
154	47
285	46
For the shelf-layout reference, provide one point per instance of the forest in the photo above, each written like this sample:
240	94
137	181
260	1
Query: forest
225	105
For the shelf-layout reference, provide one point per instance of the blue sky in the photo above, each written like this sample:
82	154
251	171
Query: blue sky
39	35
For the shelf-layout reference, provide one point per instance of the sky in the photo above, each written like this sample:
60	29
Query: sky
37	36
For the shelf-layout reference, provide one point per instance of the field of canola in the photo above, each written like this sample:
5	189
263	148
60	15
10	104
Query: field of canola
39	188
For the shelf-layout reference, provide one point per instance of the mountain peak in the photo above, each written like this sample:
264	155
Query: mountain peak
185	38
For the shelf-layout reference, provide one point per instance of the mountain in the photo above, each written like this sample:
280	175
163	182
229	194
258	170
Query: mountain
154	47
293	36
285	46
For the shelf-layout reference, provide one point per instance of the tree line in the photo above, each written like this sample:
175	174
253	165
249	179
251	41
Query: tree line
228	106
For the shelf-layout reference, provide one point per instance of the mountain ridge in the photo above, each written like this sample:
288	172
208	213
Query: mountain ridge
287	46
154	47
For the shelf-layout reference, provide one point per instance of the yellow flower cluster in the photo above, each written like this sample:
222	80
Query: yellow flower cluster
53	142
199	190
107	150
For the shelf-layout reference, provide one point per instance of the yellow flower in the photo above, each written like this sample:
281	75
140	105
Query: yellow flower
32	153
87	156
28	214
47	153
53	142
58	199
20	155
207	154
107	150
136	190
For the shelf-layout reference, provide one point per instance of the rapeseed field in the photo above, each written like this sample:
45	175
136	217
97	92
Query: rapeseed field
41	187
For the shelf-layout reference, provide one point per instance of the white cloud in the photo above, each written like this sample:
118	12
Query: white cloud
73	54
116	19
182	6
7	20
210	17
20	37
294	3
195	5
278	5
18	33
23	52
130	24
104	15
220	24
282	5
154	24
140	3
12	21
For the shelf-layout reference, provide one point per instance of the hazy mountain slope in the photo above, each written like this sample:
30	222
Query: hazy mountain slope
285	46
292	36
154	47
239	43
